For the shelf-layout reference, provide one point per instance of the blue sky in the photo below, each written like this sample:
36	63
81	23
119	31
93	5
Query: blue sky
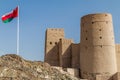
38	15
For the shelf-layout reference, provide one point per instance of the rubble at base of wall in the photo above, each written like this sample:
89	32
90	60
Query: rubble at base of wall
102	77
59	68
75	72
116	76
113	77
72	71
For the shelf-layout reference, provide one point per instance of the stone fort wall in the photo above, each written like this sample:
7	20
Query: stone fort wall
96	56
51	46
60	51
65	51
75	56
118	56
97	46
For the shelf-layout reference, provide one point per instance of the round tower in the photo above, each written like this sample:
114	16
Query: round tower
97	47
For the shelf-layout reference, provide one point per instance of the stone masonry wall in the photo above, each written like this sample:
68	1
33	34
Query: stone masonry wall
97	56
97	47
118	56
75	55
65	52
51	45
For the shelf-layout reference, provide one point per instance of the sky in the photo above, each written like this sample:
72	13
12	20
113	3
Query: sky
37	15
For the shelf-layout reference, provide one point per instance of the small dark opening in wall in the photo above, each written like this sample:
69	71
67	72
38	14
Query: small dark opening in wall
100	37
100	29
101	46
50	42
86	38
55	42
60	39
92	22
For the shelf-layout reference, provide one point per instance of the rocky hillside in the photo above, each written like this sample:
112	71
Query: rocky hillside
13	67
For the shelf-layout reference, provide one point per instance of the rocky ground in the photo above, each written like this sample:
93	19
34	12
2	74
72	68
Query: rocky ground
14	67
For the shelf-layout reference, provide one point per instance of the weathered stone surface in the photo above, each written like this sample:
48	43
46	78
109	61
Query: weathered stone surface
97	47
96	57
13	67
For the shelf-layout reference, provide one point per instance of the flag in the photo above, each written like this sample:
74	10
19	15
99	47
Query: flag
10	16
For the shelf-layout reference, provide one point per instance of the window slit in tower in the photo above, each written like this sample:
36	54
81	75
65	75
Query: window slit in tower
50	42
100	30
105	14
55	42
100	37
60	39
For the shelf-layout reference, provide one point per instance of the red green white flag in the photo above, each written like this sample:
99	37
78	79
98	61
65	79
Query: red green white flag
10	16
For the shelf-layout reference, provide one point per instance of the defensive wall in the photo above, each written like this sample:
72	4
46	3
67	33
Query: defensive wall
96	57
97	54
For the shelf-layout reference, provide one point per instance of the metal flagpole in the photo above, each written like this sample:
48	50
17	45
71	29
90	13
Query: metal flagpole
18	33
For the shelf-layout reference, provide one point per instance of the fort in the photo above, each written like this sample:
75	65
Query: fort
96	57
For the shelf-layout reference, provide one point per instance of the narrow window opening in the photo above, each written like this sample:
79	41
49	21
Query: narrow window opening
100	30
101	46
50	42
100	37
55	42
92	22
86	38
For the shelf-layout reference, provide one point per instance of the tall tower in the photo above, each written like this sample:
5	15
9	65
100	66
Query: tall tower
51	45
97	48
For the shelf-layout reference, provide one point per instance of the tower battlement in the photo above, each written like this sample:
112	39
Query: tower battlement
97	17
55	29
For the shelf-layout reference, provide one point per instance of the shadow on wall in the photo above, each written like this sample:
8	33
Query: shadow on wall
59	56
52	57
66	56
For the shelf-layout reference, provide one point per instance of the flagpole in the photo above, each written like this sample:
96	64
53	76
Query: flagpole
18	33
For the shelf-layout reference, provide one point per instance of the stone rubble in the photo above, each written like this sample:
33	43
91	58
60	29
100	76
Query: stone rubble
14	67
